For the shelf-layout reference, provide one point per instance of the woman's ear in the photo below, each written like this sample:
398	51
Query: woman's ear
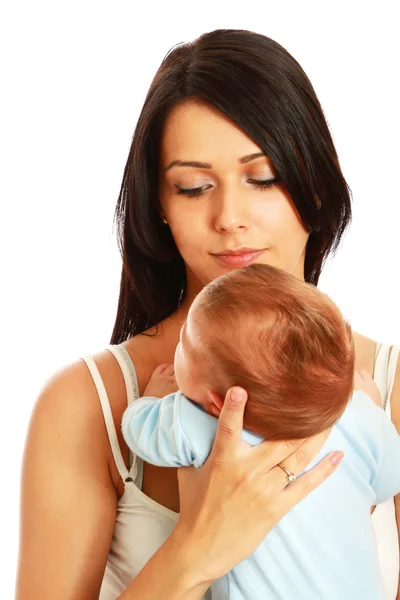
216	402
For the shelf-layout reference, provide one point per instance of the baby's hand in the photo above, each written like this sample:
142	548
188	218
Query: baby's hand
364	382
162	382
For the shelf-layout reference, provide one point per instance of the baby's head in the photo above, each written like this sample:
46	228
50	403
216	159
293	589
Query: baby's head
281	339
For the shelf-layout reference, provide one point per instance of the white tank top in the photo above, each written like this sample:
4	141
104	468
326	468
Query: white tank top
142	525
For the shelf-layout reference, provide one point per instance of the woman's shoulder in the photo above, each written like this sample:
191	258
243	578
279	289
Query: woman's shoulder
69	403
71	390
68	414
69	399
365	349
67	484
365	360
68	392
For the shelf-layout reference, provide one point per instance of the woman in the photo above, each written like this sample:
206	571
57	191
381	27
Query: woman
231	163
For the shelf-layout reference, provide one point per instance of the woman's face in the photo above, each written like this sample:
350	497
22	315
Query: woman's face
223	206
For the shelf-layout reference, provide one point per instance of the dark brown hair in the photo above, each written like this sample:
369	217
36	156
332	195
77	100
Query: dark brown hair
262	88
281	339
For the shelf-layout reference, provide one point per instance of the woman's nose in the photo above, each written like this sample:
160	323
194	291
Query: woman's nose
232	215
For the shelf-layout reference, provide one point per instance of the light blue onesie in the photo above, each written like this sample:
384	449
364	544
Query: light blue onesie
324	548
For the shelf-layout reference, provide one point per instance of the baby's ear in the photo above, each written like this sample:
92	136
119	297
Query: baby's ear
216	402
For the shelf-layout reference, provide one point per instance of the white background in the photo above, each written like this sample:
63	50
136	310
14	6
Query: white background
74	76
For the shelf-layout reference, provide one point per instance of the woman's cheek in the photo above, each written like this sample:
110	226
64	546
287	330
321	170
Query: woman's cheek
190	240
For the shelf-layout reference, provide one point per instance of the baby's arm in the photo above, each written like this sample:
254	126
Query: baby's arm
153	425
151	430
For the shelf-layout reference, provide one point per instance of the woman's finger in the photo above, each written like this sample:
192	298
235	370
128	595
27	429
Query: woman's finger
293	456
308	482
266	455
307	451
230	425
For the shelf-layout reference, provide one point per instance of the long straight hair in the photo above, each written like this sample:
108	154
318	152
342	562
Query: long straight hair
255	82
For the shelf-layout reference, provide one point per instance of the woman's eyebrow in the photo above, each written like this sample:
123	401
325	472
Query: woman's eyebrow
202	165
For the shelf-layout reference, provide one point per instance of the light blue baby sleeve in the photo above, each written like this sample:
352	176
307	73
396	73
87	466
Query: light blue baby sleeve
172	431
152	430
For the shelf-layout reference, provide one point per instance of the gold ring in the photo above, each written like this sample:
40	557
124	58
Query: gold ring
290	476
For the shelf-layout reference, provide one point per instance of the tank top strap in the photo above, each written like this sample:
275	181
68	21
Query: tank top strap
124	360
128	371
386	357
108	418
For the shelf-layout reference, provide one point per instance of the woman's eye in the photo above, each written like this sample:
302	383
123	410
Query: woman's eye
263	183
191	192
199	191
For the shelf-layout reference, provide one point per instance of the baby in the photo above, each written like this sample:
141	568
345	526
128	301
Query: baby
288	345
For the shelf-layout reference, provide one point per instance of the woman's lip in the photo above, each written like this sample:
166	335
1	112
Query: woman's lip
240	260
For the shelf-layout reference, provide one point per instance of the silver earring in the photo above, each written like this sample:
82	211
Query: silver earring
165	221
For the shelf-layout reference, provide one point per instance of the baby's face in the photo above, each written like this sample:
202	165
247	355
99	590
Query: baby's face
186	364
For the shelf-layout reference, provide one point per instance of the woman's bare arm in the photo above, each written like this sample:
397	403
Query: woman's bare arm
68	501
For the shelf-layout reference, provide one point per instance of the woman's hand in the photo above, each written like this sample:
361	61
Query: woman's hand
234	500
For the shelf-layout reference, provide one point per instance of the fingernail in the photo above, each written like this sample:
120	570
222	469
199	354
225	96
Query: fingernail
336	457
236	395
